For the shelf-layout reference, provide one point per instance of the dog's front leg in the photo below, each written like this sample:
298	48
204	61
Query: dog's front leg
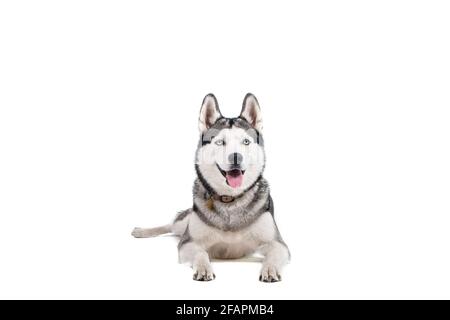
198	258
276	256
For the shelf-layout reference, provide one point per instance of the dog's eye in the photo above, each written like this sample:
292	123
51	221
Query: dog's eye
220	142
246	142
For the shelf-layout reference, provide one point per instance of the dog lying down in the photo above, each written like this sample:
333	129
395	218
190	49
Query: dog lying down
232	214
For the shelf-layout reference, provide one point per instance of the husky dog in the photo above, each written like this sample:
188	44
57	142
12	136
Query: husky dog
232	214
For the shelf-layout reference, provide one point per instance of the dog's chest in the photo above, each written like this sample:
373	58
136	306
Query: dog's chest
233	244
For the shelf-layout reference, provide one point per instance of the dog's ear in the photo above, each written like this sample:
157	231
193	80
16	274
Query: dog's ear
251	111
209	112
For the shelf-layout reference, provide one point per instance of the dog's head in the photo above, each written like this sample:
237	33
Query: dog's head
230	157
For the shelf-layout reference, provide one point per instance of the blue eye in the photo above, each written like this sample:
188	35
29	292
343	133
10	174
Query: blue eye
220	142
246	142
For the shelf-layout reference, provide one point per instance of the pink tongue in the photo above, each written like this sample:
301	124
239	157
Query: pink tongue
234	181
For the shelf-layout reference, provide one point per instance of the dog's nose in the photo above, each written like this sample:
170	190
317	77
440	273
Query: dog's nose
235	158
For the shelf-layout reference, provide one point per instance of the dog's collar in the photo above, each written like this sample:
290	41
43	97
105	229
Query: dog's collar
224	199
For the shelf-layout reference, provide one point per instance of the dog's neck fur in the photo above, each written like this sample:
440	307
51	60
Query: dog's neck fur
234	215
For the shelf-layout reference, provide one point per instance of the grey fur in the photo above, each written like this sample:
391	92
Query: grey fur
185	238
235	215
227	123
183	214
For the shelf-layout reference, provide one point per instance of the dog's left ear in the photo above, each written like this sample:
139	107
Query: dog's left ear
251	111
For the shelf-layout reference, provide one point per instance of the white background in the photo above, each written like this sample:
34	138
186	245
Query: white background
98	126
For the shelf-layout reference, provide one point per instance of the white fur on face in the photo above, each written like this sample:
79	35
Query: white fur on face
211	155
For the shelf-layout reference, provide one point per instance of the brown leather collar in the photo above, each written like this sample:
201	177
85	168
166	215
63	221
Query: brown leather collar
224	199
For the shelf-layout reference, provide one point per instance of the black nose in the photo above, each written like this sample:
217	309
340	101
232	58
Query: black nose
235	158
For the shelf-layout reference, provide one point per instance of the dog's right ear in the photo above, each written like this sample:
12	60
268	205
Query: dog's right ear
209	113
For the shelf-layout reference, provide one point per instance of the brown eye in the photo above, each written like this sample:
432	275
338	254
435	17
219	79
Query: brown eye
246	142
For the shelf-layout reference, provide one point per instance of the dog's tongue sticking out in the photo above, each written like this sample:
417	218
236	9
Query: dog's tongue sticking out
234	178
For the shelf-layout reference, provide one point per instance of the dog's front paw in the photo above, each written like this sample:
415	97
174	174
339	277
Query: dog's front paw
203	272
269	273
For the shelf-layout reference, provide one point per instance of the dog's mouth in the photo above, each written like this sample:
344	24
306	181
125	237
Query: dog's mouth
233	177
